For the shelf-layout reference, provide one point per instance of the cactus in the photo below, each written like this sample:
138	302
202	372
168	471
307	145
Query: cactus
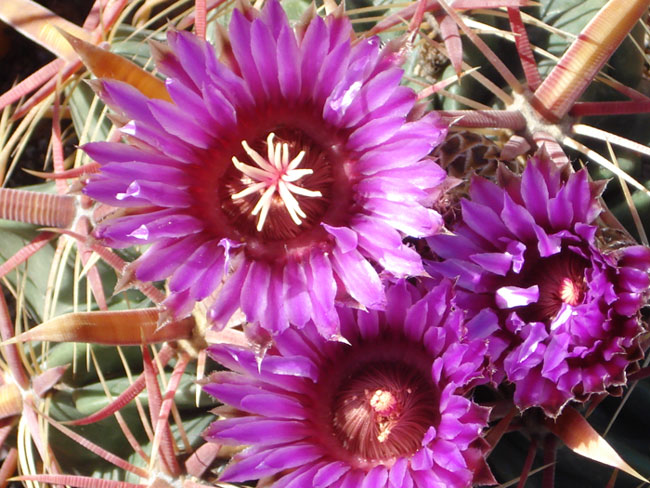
104	367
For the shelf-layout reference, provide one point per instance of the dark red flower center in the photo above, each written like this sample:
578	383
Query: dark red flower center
382	401
383	411
561	281
274	180
278	187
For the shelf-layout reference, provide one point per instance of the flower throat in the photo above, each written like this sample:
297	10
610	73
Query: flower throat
383	410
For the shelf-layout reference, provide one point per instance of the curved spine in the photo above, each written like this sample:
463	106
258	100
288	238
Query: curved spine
586	56
118	328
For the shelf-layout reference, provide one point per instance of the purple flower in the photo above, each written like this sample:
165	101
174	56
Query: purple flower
562	316
384	410
282	175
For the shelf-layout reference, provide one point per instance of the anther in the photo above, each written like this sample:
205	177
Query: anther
383	402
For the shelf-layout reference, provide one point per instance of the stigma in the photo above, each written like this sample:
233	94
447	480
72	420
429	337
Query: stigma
274	178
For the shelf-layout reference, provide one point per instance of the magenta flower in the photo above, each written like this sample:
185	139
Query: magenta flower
282	175
385	410
562	315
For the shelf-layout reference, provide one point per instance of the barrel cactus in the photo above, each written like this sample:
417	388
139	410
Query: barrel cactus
295	244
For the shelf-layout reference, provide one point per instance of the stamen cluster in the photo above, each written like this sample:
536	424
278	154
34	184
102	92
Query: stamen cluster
275	174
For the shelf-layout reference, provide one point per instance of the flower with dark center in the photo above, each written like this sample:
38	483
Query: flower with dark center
386	409
562	315
283	176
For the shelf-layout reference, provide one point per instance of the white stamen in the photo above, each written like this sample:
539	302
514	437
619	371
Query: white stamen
302	191
297	160
270	149
291	206
274	174
257	157
285	155
264	204
248	170
265	212
264	201
291	203
296	174
255	187
277	156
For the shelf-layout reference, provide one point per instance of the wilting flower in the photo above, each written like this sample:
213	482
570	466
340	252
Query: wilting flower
387	409
562	316
279	173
